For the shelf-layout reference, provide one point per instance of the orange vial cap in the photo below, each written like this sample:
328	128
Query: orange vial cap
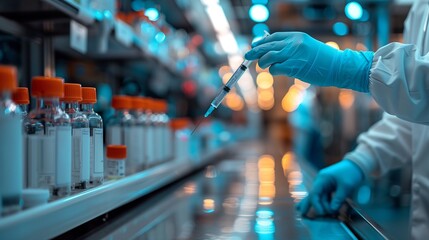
20	96
42	86
116	151
89	95
72	92
137	103
179	123
163	106
8	78
146	102
121	102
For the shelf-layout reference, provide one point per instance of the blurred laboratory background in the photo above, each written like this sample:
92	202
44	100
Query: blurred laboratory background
150	69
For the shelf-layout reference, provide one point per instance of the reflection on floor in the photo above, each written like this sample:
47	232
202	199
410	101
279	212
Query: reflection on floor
251	194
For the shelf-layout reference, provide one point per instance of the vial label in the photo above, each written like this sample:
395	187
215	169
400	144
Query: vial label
169	142
136	148
129	141
158	144
63	156
81	154
97	163
10	157
150	149
114	135
24	160
43	150
115	169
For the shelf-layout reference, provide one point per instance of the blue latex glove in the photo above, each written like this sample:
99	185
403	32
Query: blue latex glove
340	179
298	55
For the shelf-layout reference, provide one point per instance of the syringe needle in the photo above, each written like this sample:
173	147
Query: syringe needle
196	126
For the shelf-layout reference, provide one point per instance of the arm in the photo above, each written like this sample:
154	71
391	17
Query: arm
386	146
399	82
397	75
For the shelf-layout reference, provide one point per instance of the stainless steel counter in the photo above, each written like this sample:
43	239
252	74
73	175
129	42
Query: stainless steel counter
249	194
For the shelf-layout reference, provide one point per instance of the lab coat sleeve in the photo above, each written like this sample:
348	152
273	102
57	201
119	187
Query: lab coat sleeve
399	82
386	146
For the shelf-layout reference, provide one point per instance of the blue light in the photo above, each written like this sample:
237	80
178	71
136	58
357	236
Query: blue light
98	15
152	14
340	28
160	37
259	13
365	16
137	5
259	28
107	14
353	10
259	1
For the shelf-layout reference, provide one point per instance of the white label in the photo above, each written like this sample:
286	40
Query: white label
150	150
136	146
158	144
10	156
97	163
78	37
24	160
63	156
123	33
114	135
115	168
168	142
81	154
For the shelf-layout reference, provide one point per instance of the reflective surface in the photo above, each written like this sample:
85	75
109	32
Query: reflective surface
249	195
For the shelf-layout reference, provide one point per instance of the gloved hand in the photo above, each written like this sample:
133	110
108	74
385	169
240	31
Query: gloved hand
341	179
298	55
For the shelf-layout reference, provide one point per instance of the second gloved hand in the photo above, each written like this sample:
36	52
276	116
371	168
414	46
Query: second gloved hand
331	188
296	54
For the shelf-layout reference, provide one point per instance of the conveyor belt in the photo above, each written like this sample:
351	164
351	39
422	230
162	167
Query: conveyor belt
249	194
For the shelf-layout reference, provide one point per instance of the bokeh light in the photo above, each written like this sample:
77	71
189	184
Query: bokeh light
353	10
259	13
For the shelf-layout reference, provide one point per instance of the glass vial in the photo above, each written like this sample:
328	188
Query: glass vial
49	138
166	134
80	135
157	136
21	99
135	159
10	144
149	134
115	156
89	98
119	125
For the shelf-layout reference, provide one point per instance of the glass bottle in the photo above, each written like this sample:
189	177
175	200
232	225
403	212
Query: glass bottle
166	133
119	125
21	99
49	138
10	144
80	135
116	161
148	142
136	157
89	98
157	132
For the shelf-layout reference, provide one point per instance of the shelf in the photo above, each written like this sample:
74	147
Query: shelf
59	216
51	18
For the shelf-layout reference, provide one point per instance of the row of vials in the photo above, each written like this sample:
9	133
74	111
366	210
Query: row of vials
57	148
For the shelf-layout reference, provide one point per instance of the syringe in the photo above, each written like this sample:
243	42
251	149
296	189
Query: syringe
230	84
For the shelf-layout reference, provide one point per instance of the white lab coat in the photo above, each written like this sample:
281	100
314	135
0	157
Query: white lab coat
399	81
